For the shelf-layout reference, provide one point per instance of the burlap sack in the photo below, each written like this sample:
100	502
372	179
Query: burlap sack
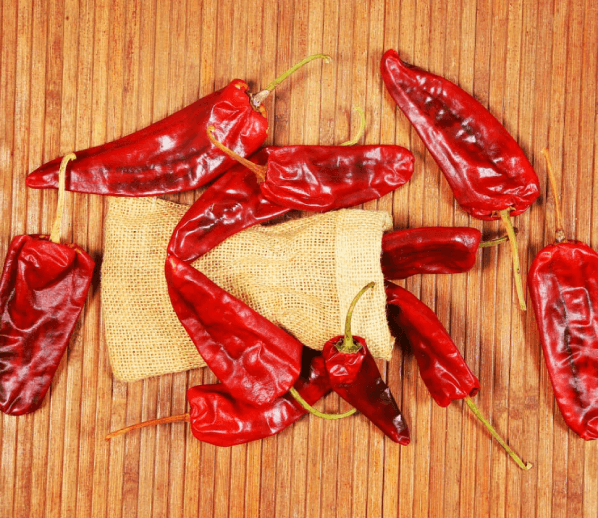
301	274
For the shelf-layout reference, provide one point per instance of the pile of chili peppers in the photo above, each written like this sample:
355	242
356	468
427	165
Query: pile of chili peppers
267	379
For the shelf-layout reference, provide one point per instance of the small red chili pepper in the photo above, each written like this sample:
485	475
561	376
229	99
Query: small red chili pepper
355	377
255	359
43	289
563	285
232	203
171	155
441	366
217	417
324	178
489	174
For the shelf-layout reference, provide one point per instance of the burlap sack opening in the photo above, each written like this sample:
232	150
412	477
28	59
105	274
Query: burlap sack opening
301	274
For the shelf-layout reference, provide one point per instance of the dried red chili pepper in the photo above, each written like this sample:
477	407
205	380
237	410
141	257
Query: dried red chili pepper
217	417
489	174
171	155
355	377
254	358
563	285
324	178
232	203
441	366
43	289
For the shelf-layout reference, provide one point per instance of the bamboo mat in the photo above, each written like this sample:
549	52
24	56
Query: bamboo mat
80	73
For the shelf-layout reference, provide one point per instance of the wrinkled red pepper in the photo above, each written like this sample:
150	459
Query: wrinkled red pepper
563	285
441	366
174	154
43	289
255	359
217	417
429	250
324	178
489	174
355	377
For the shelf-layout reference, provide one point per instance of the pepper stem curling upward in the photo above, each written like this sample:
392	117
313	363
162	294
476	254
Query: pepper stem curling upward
55	233
560	233
361	131
494	433
347	344
316	412
162	420
496	241
506	218
259	170
260	97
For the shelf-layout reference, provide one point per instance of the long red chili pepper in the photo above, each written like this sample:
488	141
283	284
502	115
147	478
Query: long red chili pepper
43	289
219	418
255	359
563	285
324	178
489	174
440	363
174	154
355	377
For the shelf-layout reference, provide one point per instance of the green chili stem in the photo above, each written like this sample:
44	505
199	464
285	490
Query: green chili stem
316	412
55	232
506	218
494	433
162	420
560	233
361	131
261	96
259	170
493	242
347	344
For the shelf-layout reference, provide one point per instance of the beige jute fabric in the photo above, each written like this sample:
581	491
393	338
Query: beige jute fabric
301	274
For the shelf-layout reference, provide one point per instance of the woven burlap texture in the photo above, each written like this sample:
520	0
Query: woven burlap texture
300	274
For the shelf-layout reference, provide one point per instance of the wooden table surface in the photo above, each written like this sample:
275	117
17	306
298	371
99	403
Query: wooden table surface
80	73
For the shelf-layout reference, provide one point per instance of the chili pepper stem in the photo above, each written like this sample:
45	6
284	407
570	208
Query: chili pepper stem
494	433
259	170
55	233
162	420
347	344
315	411
260	97
496	241
560	233
361	131
506	218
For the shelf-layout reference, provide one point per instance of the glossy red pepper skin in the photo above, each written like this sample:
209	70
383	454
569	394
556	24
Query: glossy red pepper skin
171	155
429	250
356	378
323	178
254	358
440	363
217	417
232	203
485	167
42	292
563	285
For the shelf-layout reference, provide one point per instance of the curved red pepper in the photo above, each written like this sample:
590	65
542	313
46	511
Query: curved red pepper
42	292
485	167
429	250
563	288
254	358
171	155
440	363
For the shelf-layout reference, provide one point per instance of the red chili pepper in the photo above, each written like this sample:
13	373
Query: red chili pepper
441	366
254	358
355	377
488	172
43	289
429	250
217	417
171	155
232	203
324	178
563	284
